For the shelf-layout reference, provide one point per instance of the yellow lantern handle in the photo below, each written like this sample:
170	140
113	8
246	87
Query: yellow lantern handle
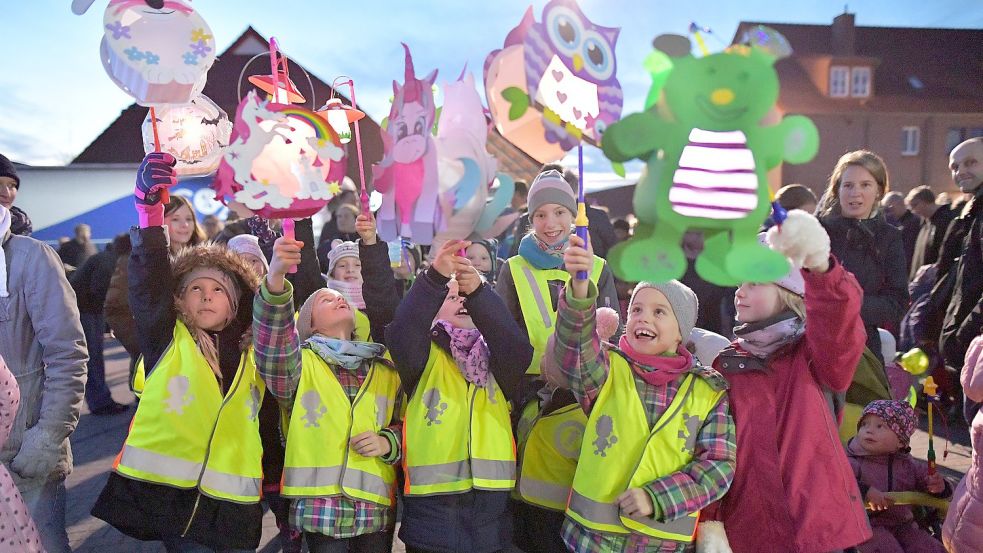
930	388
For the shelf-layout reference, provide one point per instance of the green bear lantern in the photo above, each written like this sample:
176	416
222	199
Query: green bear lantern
707	155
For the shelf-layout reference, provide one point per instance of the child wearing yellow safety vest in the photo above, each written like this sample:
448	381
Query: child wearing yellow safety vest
342	400
659	441
529	283
189	473
460	356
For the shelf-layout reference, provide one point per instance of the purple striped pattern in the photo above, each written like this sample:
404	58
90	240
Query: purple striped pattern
715	178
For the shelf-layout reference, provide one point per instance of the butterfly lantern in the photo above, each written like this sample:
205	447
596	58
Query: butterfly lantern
283	160
554	83
196	134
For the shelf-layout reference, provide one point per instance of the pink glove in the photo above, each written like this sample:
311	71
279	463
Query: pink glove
156	173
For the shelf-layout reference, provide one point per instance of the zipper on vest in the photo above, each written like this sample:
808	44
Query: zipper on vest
211	437
344	459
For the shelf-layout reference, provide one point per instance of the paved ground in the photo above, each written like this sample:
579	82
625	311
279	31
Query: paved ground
98	439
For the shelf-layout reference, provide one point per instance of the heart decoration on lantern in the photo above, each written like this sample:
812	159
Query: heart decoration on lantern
283	160
196	134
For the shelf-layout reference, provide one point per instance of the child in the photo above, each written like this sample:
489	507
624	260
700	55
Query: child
659	440
529	283
247	246
460	356
342	401
17	530
879	456
793	489
963	528
481	254
345	272
190	471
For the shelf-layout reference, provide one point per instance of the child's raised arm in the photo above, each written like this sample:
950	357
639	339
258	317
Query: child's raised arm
378	280
574	358
151	282
275	338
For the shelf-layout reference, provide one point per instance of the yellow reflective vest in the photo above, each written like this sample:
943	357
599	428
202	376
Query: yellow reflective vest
621	451
533	291
549	445
319	460
456	436
185	434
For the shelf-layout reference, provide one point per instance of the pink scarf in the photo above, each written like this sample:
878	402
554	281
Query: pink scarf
470	352
664	368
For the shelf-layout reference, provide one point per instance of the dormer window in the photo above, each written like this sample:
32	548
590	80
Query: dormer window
861	82
839	78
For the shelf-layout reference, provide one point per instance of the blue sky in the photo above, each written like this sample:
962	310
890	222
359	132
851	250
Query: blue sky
56	97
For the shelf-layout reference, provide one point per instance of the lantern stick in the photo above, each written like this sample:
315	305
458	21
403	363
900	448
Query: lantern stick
581	220
165	197
695	30
930	388
358	148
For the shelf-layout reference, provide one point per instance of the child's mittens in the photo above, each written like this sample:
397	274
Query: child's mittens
156	173
607	323
712	538
802	239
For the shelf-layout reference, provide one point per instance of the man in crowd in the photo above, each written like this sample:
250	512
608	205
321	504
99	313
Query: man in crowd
899	216
78	249
935	220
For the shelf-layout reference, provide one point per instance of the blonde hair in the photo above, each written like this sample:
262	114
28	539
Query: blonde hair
870	161
792	302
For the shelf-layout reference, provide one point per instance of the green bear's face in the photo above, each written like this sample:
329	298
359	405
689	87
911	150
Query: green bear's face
724	91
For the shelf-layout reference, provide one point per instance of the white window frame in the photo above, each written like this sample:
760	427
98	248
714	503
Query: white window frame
860	82
911	137
839	81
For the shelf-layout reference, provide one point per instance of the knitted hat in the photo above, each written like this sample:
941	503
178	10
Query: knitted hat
226	281
7	170
491	246
683	301
898	415
247	243
550	188
793	281
305	318
339	250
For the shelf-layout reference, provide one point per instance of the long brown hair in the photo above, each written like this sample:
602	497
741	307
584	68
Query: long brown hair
177	202
830	203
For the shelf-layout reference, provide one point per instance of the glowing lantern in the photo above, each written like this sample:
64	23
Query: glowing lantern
196	134
284	161
340	117
158	52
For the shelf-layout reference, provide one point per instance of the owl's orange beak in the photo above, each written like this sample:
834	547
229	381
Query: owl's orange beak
578	62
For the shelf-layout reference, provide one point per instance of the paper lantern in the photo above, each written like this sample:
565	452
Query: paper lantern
283	161
340	117
159	56
196	134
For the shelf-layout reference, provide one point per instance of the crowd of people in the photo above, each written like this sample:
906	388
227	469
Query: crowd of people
487	398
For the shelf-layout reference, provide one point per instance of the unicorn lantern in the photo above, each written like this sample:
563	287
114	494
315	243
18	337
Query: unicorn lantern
196	134
407	175
158	52
283	160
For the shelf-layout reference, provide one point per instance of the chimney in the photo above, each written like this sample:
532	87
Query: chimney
844	35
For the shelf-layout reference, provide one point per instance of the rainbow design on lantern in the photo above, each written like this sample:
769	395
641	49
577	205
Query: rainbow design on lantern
282	161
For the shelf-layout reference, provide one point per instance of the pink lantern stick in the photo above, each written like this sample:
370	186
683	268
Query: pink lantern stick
364	198
288	232
165	197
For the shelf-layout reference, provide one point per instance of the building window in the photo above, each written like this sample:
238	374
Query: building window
910	138
861	82
839	76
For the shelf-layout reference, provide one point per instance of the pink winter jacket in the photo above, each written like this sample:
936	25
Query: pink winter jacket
794	491
963	528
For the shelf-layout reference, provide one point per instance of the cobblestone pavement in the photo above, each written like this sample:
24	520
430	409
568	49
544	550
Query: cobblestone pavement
98	439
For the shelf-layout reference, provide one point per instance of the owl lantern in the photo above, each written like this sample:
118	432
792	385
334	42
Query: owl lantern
156	51
554	82
196	134
283	160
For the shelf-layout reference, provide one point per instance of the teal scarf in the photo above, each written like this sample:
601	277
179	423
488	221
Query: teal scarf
344	353
541	255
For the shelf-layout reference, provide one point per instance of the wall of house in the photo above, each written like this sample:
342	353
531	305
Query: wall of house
882	133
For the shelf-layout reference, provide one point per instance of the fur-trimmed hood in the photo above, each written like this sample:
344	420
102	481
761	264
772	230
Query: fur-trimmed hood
217	257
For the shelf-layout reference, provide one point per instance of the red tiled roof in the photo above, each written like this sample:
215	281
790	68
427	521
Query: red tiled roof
121	141
947	63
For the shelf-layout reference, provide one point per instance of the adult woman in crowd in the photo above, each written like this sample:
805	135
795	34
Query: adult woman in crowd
862	239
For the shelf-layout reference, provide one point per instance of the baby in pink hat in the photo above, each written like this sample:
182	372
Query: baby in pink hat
879	456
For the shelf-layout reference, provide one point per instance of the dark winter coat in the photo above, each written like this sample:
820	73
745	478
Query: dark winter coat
963	319
91	281
871	249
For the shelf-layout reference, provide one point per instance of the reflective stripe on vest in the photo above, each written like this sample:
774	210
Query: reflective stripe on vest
185	434
621	451
533	291
456	436
319	460
549	446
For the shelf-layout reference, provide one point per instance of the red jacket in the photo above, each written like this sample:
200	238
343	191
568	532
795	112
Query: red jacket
794	491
